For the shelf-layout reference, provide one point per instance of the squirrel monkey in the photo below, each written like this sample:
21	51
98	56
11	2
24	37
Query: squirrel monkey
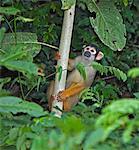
75	82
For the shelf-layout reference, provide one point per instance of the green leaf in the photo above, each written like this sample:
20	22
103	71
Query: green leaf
108	23
124	106
116	115
2	32
93	138
4	92
125	2
39	143
21	66
23	19
105	69
67	125
127	133
14	52
9	10
81	68
118	73
136	94
66	4
10	104
24	39
4	81
13	134
59	72
134	72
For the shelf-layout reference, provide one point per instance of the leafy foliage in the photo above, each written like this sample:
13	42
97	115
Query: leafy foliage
99	94
108	24
81	68
16	105
9	10
66	4
18	51
116	116
26	40
105	69
134	72
102	120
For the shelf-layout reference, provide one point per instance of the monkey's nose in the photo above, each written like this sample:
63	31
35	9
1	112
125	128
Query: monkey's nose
87	54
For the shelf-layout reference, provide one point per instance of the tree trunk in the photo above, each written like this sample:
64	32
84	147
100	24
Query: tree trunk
64	50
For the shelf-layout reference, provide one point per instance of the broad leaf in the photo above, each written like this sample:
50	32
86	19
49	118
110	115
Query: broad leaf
9	10
108	23
23	39
15	52
17	105
22	66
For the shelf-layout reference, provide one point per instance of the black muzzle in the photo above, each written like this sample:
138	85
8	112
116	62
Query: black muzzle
87	54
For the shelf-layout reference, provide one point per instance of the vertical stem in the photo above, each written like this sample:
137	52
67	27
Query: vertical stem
15	30
64	50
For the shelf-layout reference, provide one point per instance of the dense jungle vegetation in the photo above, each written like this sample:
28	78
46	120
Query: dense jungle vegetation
107	116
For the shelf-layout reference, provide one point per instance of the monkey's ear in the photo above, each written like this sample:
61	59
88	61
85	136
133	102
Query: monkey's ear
99	56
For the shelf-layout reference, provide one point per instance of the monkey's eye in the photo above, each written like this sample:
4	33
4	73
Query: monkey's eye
87	48
93	51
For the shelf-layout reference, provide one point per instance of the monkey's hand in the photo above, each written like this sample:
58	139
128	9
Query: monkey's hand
74	89
71	64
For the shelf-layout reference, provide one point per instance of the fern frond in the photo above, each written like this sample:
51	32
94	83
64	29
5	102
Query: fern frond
114	71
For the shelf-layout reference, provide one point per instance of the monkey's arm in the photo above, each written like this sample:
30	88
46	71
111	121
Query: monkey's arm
73	62
74	89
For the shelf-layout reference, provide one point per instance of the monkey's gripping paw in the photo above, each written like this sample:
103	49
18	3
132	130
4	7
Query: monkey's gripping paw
54	97
62	95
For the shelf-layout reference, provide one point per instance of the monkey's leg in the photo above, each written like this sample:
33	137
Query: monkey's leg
50	96
70	102
71	91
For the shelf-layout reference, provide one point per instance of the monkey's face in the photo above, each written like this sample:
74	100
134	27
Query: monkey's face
89	53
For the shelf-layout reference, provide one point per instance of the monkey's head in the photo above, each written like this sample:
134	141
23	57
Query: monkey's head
91	52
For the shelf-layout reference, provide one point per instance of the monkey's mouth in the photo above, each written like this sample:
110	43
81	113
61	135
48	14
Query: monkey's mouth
86	58
87	54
